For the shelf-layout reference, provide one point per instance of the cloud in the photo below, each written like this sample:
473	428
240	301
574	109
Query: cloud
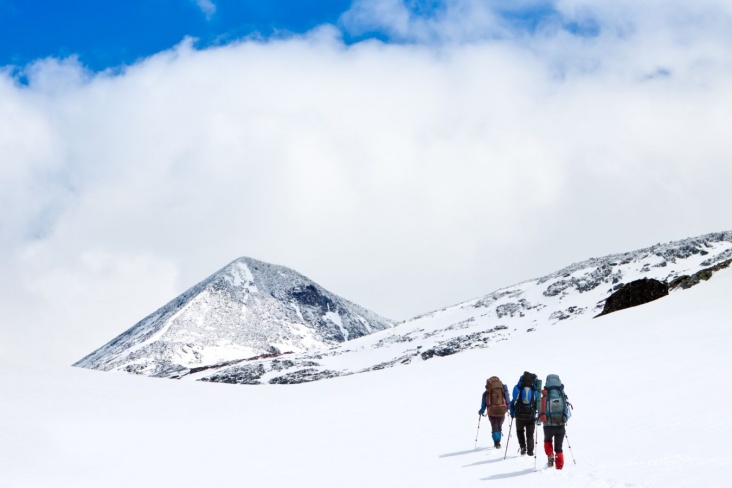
208	7
460	21
405	177
441	21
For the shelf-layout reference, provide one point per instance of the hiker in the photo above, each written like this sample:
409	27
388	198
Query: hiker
495	400
554	414
523	409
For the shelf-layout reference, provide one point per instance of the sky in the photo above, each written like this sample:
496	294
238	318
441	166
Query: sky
404	155
110	34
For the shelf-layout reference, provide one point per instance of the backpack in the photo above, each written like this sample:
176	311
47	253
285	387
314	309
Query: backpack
554	409
524	404
495	398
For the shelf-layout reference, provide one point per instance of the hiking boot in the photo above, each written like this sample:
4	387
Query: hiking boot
560	460
497	445
550	462
523	451
531	453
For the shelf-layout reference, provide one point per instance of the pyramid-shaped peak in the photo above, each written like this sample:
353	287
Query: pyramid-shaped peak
246	309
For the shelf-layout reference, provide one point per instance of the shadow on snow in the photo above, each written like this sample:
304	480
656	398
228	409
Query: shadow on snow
508	475
460	453
487	461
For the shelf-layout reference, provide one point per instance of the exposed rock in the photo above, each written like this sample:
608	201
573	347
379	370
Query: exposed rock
516	308
635	293
587	282
726	255
685	282
567	313
243	375
304	376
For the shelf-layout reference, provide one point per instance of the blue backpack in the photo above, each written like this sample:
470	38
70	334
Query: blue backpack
554	410
524	404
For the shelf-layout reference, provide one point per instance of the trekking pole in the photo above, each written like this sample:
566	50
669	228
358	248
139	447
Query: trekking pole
476	433
536	443
509	439
569	445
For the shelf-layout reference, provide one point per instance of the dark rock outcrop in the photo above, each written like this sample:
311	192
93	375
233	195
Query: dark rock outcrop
685	281
635	293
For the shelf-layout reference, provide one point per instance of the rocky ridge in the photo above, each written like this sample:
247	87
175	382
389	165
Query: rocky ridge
571	292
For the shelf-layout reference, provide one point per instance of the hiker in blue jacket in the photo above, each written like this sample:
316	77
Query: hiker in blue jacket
523	409
495	400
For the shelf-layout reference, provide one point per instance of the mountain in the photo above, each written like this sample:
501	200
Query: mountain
637	378
247	309
257	323
579	290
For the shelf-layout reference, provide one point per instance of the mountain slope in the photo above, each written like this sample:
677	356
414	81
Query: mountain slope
576	291
248	308
398	427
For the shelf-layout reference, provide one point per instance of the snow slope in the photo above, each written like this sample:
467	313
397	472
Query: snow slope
404	426
577	291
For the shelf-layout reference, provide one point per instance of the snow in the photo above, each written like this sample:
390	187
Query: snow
239	275
336	319
580	289
639	380
249	304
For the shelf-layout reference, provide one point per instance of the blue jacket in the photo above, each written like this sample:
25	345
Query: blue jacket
516	396
484	405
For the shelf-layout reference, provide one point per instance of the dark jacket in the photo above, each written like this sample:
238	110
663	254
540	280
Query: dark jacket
516	397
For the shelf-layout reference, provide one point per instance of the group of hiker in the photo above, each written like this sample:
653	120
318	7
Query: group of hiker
530	405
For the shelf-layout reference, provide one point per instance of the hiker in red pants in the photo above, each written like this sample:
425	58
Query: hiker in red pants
554	414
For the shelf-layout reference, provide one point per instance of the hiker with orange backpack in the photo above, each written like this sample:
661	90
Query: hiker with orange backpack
554	414
495	400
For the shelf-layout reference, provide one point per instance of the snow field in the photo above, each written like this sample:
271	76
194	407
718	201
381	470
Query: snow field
648	385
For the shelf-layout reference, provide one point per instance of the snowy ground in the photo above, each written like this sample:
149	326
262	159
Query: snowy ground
649	387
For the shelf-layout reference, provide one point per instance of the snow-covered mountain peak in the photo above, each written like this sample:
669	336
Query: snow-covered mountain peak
247	309
253	322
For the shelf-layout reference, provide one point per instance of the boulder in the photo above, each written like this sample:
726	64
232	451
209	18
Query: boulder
635	293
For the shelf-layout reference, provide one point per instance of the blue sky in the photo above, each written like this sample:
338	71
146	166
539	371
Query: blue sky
110	33
114	33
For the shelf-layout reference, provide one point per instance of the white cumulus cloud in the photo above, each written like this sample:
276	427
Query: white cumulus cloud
404	177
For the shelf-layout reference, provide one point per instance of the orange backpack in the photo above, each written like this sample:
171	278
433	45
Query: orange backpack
495	398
